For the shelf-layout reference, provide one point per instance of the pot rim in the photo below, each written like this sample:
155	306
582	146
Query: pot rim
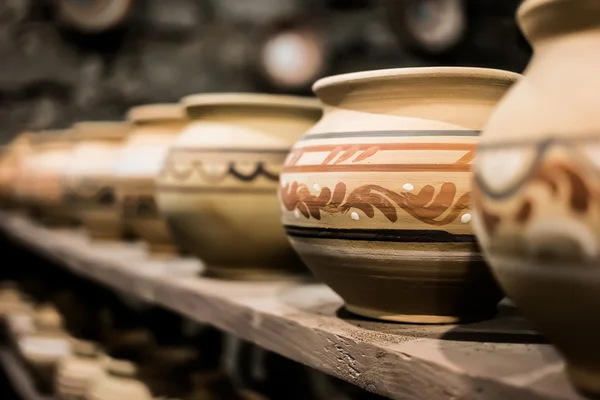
157	111
393	74
250	99
100	129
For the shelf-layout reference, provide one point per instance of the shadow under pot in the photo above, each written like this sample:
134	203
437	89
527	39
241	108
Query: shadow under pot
154	128
90	180
218	187
375	197
537	184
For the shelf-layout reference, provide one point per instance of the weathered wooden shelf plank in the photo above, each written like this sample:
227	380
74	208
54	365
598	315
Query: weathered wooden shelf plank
497	359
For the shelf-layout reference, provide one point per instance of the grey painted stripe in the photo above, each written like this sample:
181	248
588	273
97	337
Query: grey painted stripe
401	133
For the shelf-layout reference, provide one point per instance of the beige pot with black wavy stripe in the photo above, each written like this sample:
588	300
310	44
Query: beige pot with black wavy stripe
90	181
218	188
375	197
154	128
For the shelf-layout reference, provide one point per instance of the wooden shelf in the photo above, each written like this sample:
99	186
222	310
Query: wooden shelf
498	359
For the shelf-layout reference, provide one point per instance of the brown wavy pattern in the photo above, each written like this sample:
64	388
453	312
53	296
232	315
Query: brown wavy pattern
425	206
557	177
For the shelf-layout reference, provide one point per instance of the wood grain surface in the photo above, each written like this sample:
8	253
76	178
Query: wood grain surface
501	358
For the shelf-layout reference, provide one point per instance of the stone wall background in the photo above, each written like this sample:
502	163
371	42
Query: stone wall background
52	75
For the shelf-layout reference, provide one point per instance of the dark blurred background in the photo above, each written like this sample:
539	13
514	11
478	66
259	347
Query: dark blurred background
67	60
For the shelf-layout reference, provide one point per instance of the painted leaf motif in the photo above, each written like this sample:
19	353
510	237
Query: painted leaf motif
366	154
352	150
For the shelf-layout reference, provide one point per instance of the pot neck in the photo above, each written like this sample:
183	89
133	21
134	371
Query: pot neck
546	22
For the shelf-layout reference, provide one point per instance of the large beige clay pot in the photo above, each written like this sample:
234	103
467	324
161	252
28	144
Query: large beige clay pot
45	348
375	196
90	180
119	382
155	128
50	162
12	161
218	188
537	183
77	372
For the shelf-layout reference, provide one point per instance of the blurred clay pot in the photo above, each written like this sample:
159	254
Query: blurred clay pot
77	372
218	188
45	348
46	172
537	184
12	162
120	381
90	180
154	128
375	197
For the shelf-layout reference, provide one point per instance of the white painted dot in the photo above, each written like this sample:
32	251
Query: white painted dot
317	187
466	218
354	216
297	213
407	186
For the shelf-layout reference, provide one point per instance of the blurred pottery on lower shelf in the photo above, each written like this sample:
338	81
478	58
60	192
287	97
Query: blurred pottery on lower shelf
12	162
77	372
118	382
45	348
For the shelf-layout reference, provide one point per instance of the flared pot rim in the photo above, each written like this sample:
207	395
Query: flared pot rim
395	74
251	99
100	129
156	111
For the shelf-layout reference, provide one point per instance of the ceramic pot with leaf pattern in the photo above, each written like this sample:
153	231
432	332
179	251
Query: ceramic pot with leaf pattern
537	184
218	186
375	197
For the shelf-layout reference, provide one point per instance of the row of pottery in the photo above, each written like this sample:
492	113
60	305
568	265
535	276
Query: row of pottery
78	369
376	194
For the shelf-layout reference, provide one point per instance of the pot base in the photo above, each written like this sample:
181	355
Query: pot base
251	274
418	319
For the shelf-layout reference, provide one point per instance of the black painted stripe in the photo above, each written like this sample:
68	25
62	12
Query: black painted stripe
399	133
379	235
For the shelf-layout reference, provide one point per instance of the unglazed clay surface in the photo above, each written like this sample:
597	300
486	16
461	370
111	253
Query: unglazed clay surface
218	187
155	128
47	171
77	372
537	186
89	177
12	162
375	197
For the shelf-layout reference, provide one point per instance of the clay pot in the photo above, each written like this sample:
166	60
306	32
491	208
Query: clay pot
16	310
155	127
375	197
119	382
218	188
89	178
45	348
12	161
536	182
45	183
77	372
